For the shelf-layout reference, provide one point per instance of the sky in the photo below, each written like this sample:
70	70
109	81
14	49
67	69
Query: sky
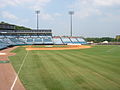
92	18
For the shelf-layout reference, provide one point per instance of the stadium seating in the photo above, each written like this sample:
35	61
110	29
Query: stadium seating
74	40
39	36
16	41
38	40
81	41
57	41
29	41
47	40
6	41
3	44
66	40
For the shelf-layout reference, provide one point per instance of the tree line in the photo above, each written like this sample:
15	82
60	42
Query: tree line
97	40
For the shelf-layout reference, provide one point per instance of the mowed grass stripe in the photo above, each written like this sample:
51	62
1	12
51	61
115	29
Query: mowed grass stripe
47	78
58	74
20	53
70	69
52	73
100	58
72	73
109	60
101	70
104	68
88	77
102	78
97	61
31	72
68	80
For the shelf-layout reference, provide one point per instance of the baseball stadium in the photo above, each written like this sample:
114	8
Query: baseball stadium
37	60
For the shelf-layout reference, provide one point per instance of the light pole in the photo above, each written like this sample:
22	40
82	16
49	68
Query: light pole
37	13
71	13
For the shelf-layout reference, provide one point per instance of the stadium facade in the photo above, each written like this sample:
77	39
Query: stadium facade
11	37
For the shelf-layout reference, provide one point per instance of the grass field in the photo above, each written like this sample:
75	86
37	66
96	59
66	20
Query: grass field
96	68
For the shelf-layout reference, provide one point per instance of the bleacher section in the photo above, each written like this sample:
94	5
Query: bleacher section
66	40
6	41
16	41
47	40
57	40
29	41
81	40
38	40
30	37
74	40
3	44
69	40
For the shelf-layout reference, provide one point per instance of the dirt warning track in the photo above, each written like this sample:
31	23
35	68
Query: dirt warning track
68	47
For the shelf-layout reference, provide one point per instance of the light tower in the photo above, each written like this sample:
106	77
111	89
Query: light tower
71	13
37	13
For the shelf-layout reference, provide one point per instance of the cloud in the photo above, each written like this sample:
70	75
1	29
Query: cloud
39	4
57	14
33	4
47	16
86	8
11	17
99	2
106	2
8	15
86	12
108	17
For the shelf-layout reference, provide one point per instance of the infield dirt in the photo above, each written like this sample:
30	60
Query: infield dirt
59	48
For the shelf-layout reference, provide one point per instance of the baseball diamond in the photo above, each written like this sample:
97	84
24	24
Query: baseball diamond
37	60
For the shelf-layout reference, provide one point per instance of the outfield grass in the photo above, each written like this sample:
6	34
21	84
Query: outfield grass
96	68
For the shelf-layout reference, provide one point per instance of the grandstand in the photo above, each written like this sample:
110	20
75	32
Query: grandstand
11	37
68	40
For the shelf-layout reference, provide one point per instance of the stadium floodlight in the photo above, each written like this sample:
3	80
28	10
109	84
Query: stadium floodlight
71	13
37	13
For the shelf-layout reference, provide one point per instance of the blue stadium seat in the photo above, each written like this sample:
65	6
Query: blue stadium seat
47	40
3	44
29	39
74	40
66	40
16	41
57	41
38	40
81	41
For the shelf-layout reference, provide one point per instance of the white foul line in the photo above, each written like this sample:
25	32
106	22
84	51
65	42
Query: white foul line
19	71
